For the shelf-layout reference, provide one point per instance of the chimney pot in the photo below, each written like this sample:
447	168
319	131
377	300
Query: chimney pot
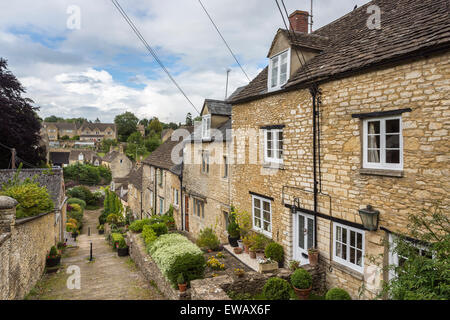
299	21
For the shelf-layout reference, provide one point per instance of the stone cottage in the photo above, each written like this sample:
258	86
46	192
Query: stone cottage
135	191
206	176
161	182
351	115
83	156
118	162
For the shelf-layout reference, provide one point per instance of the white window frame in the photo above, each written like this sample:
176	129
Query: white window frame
175	197
339	259
199	205
275	146
288	70
261	217
80	157
206	127
382	164
161	205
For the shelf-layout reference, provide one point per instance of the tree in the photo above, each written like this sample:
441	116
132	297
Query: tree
189	119
107	143
53	119
144	122
126	124
155	127
152	143
198	118
19	122
423	273
97	120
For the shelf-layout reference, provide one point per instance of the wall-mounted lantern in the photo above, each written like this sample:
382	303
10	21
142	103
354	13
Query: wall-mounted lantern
295	205
369	218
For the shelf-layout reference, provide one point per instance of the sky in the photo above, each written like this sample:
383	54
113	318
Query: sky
95	66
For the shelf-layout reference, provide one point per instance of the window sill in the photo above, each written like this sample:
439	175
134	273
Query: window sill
382	172
353	273
273	165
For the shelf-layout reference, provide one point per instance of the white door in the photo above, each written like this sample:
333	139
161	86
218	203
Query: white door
303	236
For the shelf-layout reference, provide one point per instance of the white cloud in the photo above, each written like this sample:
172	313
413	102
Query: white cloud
69	78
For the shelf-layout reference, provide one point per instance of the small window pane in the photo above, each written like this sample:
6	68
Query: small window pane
257	213
266	216
301	232
344	252
373	142
392	156
352	238
344	235
266	206
257	203
267	226
310	233
338	233
359	241
373	155
359	257
393	126
374	127
352	255
257	223
392	141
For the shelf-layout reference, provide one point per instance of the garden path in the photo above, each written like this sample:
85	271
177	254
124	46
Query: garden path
108	277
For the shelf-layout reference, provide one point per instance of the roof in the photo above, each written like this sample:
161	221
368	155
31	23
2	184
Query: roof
235	93
408	27
222	133
162	156
110	156
88	155
135	177
217	107
59	157
100	126
53	180
303	40
62	125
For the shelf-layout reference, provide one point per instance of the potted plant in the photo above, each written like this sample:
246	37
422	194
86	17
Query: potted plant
267	265
233	232
252	253
301	280
247	241
294	265
53	258
182	285
259	245
237	250
101	229
239	272
241	244
275	252
122	248
313	256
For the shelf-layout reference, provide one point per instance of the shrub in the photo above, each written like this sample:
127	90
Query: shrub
137	226
83	193
74	207
337	294
53	252
233	228
32	198
259	241
180	279
122	243
113	218
274	251
116	238
208	239
148	234
244	221
159	228
301	279
83	173
277	289
80	202
175	254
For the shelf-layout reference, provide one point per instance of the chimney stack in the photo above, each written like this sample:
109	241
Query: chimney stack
299	21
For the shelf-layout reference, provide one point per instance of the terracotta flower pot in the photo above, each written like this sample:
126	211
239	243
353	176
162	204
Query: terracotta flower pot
182	287
302	294
313	257
246	248
252	254
237	250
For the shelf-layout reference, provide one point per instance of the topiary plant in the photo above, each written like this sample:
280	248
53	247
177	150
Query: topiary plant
277	289
337	294
301	279
275	252
233	227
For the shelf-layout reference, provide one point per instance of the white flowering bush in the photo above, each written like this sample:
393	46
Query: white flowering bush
175	254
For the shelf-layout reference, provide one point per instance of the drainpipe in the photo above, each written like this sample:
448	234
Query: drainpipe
182	217
314	90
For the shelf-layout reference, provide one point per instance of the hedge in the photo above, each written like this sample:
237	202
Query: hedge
175	254
148	234
78	201
137	226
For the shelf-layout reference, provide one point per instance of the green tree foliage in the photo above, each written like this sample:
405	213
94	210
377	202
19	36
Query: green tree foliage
19	124
126	125
152	143
33	199
53	119
106	144
111	205
424	271
155	127
87	174
189	121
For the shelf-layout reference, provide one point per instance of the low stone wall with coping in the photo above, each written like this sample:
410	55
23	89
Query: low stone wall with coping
150	269
252	282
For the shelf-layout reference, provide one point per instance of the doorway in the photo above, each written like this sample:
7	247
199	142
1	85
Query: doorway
303	236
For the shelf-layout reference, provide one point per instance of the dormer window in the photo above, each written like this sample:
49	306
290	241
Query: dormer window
279	68
206	126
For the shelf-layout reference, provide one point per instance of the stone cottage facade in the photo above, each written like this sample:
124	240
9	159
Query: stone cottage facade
118	162
206	176
161	182
381	126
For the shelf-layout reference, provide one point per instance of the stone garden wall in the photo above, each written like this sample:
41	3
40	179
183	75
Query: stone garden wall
150	270
24	245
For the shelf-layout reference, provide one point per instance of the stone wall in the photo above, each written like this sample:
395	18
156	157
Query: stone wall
420	84
150	269
23	249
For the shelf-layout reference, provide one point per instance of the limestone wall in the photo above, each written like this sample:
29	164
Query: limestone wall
421	85
23	249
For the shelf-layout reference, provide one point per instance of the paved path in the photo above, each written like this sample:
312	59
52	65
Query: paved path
108	277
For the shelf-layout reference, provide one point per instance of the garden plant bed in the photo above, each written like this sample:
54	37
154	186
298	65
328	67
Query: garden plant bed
230	262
